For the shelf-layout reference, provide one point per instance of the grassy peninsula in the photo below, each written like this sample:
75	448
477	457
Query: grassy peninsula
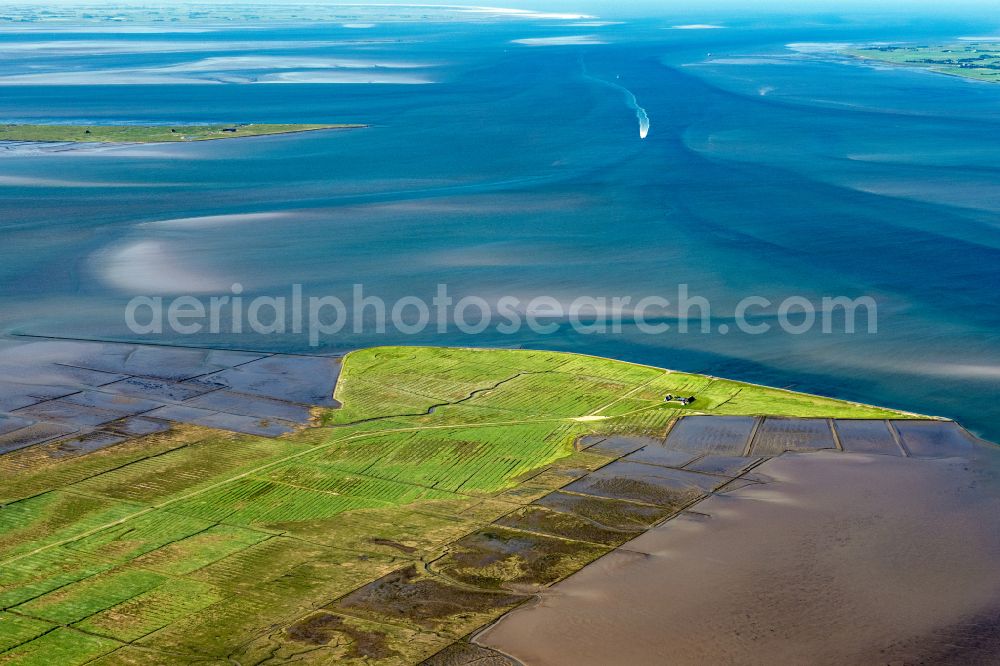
449	484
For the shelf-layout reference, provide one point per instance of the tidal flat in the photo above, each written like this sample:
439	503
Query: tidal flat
831	558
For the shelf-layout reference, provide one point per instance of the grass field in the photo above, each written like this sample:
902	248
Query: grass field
974	60
149	133
367	537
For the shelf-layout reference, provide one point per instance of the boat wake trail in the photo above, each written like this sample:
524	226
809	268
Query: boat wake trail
630	100
640	113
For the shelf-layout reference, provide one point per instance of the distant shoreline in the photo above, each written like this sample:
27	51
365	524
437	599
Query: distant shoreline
940	59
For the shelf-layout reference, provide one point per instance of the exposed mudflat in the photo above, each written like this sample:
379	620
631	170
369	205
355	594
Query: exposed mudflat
52	389
838	558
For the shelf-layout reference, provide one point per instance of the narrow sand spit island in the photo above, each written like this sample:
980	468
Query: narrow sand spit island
151	133
171	505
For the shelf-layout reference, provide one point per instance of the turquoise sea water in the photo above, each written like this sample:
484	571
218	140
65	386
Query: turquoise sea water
519	170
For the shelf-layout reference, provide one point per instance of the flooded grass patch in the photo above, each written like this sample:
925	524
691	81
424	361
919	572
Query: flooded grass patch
618	445
658	454
564	525
866	437
721	435
611	513
723	465
933	439
777	435
31	435
645	483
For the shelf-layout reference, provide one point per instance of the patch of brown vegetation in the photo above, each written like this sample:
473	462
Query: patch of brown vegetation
379	541
422	599
322	628
497	557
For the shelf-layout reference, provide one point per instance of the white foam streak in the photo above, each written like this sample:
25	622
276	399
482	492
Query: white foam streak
256	63
818	47
640	113
566	40
210	221
513	13
128	46
339	76
630	100
29	181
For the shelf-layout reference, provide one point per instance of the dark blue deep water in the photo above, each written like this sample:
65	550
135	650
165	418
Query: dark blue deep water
518	170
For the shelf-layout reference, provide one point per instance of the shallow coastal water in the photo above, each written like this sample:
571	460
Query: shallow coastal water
518	168
837	558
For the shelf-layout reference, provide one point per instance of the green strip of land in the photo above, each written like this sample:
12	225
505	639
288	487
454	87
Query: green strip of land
972	60
392	527
151	133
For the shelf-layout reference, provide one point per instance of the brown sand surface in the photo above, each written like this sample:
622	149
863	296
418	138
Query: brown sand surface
839	558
